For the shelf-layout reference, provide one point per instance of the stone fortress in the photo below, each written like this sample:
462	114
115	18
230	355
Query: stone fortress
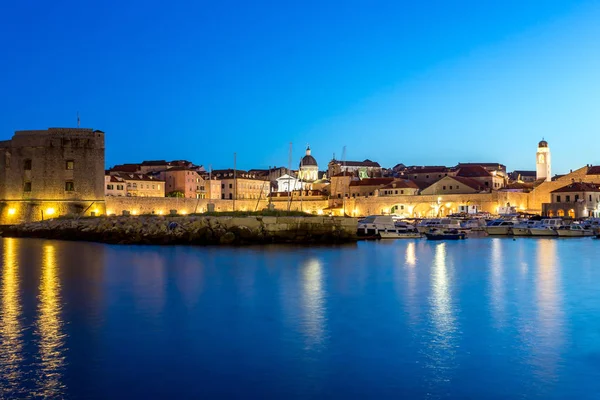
60	171
46	173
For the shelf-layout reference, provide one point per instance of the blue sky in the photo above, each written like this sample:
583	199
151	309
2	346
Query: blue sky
435	82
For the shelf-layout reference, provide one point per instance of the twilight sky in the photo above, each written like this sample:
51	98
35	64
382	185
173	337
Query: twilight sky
417	82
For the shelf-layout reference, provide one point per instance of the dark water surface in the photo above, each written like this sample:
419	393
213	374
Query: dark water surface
488	318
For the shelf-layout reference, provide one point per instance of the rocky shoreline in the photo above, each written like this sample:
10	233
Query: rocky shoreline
194	230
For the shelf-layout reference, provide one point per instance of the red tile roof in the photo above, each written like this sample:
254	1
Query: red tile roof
472	183
594	170
578	187
372	182
473	171
401	184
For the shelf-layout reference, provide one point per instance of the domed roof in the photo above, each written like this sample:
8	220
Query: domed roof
308	160
543	143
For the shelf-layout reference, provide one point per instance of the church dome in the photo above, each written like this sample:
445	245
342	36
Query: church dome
308	160
543	143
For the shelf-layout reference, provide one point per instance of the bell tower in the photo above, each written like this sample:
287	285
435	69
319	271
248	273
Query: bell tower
542	163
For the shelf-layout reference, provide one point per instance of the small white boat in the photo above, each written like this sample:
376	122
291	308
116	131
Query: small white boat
500	227
385	227
546	227
573	230
522	229
438	223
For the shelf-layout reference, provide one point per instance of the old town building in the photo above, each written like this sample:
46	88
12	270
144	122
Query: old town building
136	185
240	185
362	169
576	200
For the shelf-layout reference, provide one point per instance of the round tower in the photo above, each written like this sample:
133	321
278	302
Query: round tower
542	162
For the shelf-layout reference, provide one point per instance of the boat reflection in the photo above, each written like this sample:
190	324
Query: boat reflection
11	331
50	329
313	303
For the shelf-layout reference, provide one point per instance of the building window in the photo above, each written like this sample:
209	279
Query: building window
558	198
568	198
119	187
109	187
402	192
590	197
576	197
27	165
27	187
230	186
69	186
230	196
443	187
69	165
153	187
450	187
396	192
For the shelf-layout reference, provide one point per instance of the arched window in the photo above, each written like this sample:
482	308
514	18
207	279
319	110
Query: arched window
560	213
572	213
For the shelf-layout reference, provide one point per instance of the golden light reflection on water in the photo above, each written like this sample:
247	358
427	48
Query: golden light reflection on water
550	314
313	302
50	329
441	350
11	344
411	256
498	290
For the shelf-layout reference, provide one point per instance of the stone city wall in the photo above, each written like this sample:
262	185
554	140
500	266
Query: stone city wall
164	205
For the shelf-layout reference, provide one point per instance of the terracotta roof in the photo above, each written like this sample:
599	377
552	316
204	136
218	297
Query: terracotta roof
135	177
525	173
366	163
155	162
594	170
239	174
519	185
372	182
485	165
126	168
473	171
426	169
401	184
578	187
472	183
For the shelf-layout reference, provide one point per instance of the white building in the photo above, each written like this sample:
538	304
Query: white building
543	167
287	183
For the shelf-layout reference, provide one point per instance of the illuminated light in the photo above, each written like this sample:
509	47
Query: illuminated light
109	212
183	212
320	212
386	210
133	212
12	211
50	211
95	211
448	205
160	212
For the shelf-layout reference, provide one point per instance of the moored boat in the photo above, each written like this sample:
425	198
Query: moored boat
451	234
385	227
573	230
500	227
546	227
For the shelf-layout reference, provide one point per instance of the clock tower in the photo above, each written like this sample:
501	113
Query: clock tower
542	162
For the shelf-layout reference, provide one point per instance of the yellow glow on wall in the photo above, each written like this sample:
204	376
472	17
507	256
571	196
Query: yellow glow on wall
133	212
183	212
12	211
320	212
50	211
160	212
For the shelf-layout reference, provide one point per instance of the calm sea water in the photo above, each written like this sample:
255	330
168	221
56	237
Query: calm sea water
481	318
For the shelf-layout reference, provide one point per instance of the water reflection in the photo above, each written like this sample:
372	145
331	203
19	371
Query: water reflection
313	303
550	314
11	342
411	256
497	282
50	329
441	349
